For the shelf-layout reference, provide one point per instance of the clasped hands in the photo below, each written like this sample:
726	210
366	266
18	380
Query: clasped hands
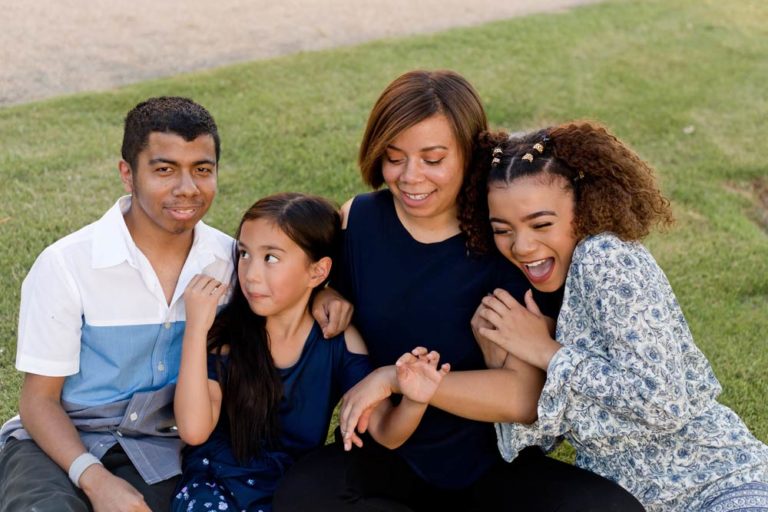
503	326
415	375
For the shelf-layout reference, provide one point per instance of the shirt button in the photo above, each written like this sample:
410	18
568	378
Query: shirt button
134	416
161	367
167	325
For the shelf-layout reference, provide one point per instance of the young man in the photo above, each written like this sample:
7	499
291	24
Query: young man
101	324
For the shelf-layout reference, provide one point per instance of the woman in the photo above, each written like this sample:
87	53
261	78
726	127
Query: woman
626	385
406	268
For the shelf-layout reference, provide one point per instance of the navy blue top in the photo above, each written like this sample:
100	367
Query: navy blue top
311	389
407	293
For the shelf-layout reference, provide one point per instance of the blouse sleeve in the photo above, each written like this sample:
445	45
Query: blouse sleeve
629	363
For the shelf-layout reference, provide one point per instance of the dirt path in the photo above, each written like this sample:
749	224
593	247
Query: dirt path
53	47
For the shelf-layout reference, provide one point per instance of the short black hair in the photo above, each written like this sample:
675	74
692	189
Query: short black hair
166	114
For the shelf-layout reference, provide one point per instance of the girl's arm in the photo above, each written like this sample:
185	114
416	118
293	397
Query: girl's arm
197	401
629	350
508	394
418	377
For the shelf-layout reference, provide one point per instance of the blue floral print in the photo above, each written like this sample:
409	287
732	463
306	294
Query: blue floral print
631	391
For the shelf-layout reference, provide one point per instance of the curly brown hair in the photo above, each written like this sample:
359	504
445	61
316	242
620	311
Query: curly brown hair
614	189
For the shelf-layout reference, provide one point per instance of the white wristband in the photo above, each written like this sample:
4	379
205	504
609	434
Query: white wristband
80	464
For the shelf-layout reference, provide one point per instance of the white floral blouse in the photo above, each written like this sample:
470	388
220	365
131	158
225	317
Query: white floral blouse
631	391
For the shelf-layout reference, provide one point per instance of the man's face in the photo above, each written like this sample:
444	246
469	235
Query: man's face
173	184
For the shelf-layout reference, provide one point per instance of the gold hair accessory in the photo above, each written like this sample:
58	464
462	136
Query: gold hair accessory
539	147
579	177
528	157
496	152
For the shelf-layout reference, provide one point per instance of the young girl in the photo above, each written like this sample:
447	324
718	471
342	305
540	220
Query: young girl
258	384
626	384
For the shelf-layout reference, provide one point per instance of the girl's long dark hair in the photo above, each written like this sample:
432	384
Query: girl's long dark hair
251	385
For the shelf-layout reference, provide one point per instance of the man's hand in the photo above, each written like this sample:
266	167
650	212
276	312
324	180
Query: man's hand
109	493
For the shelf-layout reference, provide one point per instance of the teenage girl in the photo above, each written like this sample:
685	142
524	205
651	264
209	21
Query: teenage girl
626	385
258	383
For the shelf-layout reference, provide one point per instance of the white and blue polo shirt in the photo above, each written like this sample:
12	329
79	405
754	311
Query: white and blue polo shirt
93	310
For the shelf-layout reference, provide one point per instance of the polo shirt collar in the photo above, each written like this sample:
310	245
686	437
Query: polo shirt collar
113	244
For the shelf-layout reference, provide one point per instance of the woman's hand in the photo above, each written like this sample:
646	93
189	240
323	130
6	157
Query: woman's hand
358	403
493	354
418	375
201	297
521	331
331	311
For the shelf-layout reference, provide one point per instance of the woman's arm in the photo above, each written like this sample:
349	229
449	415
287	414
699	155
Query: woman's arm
329	308
197	400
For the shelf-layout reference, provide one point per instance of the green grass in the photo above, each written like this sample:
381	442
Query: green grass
646	69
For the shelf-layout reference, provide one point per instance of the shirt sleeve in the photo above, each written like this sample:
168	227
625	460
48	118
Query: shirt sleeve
217	367
629	363
50	319
353	368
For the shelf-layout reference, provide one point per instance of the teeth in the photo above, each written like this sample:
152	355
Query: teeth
416	197
535	263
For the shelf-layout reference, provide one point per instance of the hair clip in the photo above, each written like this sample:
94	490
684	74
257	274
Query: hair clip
579	177
497	152
539	147
528	157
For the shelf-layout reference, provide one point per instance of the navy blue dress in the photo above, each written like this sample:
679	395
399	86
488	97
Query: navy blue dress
407	293
214	480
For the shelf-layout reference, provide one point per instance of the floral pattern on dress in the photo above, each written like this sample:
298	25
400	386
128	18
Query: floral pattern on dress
631	391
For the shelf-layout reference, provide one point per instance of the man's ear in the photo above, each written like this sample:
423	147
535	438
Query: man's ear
319	271
126	175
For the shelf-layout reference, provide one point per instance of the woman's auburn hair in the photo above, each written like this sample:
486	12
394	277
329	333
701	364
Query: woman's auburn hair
412	98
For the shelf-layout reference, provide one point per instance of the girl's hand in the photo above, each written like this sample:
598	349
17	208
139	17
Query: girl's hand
493	354
201	297
418	376
358	403
521	331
